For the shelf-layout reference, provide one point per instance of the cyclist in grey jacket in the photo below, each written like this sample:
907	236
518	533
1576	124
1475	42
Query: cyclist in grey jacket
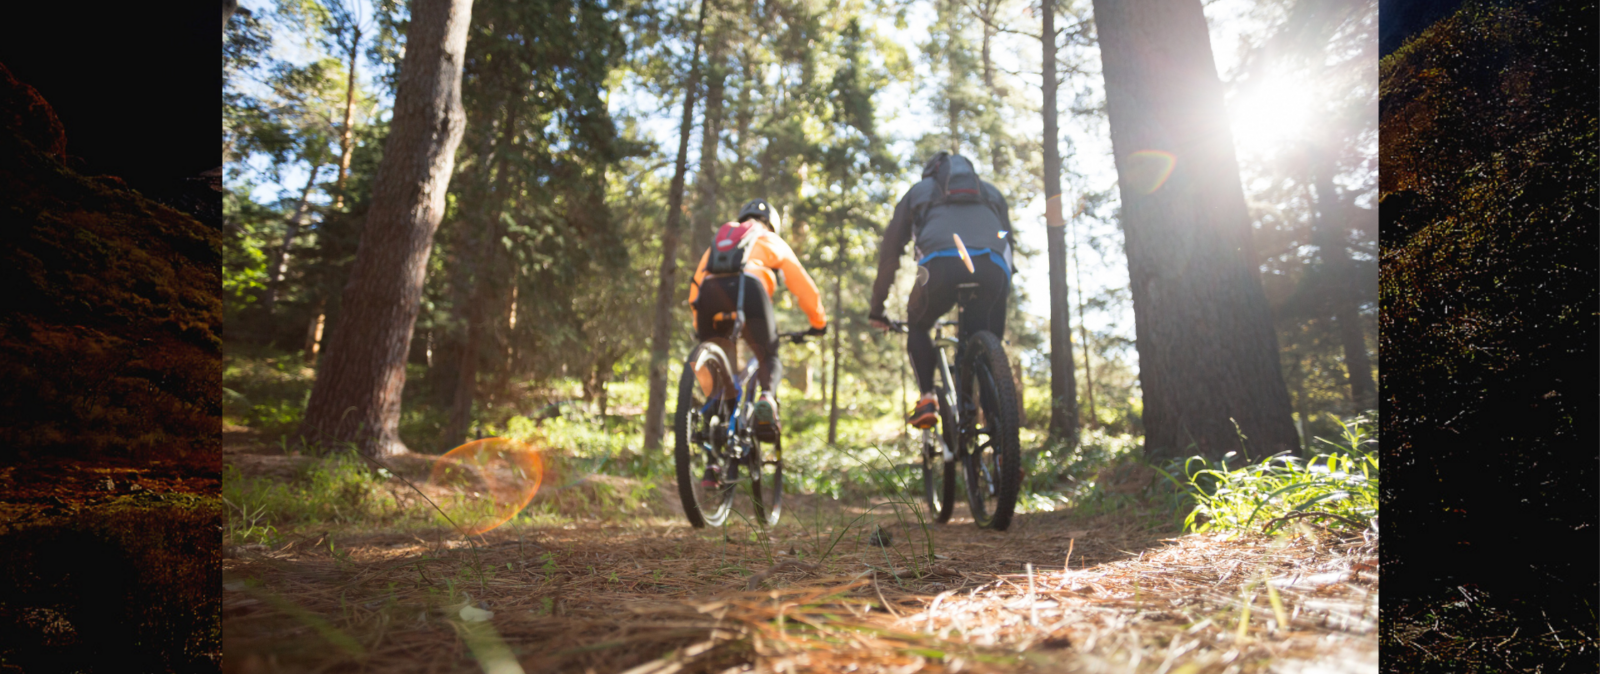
948	211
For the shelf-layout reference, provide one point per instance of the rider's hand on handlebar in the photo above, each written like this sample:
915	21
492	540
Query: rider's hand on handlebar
817	332
881	323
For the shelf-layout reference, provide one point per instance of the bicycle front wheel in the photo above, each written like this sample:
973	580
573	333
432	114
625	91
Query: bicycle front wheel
706	476
992	459
766	482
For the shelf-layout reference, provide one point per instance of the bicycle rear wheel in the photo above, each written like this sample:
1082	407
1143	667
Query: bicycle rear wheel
700	437
766	482
938	474
992	461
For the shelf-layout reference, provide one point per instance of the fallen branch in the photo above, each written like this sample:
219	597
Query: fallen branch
1311	513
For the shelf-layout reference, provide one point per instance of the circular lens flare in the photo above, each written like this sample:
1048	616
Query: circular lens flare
1146	171
487	482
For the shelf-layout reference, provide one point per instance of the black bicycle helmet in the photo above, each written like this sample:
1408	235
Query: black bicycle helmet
761	210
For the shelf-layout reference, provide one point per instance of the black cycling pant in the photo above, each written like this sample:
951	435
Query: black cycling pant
720	293
931	300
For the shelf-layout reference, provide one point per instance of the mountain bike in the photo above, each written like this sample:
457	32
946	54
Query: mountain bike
716	448
978	425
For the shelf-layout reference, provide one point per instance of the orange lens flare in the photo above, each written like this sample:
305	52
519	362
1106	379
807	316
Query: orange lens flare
488	482
1147	170
965	258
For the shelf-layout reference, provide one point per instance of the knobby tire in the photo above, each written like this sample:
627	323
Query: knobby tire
985	376
685	451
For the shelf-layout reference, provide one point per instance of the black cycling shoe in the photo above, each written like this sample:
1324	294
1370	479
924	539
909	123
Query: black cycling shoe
766	419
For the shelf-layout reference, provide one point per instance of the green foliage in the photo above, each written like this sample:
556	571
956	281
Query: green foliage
339	489
265	390
1342	482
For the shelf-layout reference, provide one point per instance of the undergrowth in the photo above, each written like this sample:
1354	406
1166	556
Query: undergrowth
874	461
1337	489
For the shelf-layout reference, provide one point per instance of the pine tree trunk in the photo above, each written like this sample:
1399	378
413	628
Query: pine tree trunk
314	333
356	397
445	372
347	134
1063	383
474	272
838	310
704	225
280	257
1299	379
997	157
1083	332
1328	236
667	284
1208	354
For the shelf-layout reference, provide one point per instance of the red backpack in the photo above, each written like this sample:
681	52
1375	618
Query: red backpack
731	247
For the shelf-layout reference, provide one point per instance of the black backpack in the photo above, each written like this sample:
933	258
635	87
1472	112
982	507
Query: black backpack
956	182
730	249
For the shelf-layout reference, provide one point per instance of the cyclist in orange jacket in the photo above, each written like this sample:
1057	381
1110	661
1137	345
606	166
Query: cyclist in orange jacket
766	256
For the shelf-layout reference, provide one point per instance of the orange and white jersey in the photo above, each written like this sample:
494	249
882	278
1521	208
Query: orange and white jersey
767	253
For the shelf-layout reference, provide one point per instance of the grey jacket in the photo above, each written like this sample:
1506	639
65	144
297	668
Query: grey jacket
978	224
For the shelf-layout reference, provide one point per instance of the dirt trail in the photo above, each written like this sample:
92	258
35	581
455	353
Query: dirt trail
650	594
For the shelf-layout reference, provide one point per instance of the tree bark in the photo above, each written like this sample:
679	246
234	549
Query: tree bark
347	135
280	257
1083	333
356	397
1329	236
314	333
667	286
475	272
997	140
702	228
445	372
1063	383
1208	355
838	311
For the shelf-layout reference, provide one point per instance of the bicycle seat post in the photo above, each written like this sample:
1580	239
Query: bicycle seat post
965	293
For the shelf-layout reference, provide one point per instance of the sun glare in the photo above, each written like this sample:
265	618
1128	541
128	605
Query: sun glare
1270	115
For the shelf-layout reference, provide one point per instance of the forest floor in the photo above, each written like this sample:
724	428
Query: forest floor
609	583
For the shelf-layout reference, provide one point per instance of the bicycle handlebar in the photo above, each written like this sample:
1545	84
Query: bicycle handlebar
796	337
903	327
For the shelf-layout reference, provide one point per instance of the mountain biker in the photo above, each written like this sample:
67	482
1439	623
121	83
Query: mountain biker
766	259
949	202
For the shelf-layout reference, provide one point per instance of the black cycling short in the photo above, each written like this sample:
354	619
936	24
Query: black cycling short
932	299
719	294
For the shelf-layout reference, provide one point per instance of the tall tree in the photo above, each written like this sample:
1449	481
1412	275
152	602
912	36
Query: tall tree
1208	355
1083	330
1063	384
667	285
1329	227
347	29
356	397
839	265
339	27
279	263
477	263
